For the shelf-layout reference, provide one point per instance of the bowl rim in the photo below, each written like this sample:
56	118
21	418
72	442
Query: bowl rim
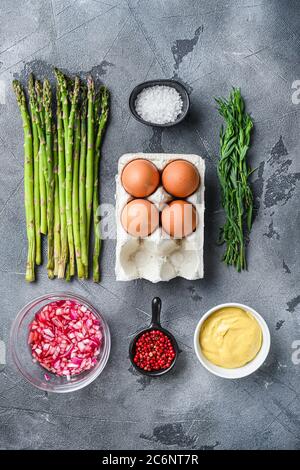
239	372
69	386
168	82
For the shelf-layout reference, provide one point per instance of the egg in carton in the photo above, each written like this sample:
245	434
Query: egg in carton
158	257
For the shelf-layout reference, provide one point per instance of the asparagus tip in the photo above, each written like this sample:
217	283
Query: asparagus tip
31	88
38	87
47	94
30	79
20	95
90	85
76	90
61	79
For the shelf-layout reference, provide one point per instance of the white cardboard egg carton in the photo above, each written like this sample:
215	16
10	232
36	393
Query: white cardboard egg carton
159	257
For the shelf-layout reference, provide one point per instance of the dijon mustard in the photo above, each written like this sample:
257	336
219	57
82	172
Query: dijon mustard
230	337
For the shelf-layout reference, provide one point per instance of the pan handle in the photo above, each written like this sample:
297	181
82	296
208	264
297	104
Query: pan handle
156	309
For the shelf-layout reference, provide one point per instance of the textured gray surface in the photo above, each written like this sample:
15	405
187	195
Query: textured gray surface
210	45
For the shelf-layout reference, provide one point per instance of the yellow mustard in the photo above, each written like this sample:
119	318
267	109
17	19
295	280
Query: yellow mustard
230	337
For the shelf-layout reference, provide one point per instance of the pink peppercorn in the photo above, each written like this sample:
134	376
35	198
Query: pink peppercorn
154	351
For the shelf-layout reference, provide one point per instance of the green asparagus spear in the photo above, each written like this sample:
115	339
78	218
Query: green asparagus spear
75	197
82	189
68	131
62	189
28	180
39	114
47	99
97	108
90	157
69	173
68	275
63	91
36	189
57	238
97	235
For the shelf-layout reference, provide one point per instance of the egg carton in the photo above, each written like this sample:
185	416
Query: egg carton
159	257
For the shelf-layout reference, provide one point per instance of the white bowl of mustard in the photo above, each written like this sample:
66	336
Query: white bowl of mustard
232	340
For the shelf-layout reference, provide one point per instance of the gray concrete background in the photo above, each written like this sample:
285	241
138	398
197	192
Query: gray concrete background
210	46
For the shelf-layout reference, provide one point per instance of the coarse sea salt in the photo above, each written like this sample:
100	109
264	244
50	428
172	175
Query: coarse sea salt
159	104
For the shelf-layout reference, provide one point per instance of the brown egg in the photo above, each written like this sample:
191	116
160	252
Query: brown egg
180	178
179	218
140	218
140	178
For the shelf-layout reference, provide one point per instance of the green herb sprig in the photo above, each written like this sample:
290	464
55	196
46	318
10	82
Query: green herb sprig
233	173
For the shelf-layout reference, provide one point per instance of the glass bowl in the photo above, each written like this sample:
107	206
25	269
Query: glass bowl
33	372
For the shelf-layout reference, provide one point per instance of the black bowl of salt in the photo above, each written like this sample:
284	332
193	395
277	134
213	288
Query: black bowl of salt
159	103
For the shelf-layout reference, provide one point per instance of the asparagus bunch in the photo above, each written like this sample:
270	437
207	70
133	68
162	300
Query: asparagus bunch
62	148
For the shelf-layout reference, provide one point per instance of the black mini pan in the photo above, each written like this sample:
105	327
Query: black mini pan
154	325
